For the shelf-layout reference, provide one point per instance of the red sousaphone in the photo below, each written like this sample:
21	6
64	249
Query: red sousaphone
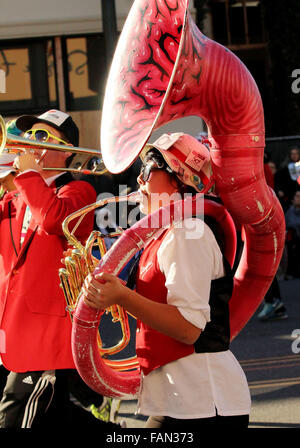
164	69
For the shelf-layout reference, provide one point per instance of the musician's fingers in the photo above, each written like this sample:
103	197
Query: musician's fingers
91	284
104	277
25	162
16	163
90	302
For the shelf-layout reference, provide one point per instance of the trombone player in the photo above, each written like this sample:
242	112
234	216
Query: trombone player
33	318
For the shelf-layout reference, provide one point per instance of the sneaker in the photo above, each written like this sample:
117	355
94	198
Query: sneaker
103	411
280	313
289	277
123	424
271	311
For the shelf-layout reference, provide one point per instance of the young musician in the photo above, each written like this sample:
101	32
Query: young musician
190	379
7	173
35	326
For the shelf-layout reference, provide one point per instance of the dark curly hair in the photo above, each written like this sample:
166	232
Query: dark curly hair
154	155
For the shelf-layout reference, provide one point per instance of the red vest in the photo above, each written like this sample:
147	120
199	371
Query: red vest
153	348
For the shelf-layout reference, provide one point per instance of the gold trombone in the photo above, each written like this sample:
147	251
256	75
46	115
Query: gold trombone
12	144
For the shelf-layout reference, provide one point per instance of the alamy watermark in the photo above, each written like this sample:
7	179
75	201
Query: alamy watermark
296	83
296	342
126	214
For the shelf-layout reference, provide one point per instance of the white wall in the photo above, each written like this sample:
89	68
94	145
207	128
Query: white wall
33	18
190	125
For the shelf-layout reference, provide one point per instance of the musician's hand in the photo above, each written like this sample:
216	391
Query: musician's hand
66	253
103	290
27	161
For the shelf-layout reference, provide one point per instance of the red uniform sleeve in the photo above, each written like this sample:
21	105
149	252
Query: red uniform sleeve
50	208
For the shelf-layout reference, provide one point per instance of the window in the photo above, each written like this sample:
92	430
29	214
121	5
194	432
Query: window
238	24
63	72
29	76
86	71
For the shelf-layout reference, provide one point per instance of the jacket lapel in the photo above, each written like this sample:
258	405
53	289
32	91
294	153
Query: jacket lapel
20	212
20	209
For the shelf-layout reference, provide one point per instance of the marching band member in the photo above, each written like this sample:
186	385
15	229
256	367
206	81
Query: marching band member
183	285
33	320
7	173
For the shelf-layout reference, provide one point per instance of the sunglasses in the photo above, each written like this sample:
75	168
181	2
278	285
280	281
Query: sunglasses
152	166
42	135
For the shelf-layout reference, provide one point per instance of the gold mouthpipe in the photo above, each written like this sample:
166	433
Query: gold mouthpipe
80	214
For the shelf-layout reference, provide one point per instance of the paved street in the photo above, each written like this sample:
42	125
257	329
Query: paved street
268	354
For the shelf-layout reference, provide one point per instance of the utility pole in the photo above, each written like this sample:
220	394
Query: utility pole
110	31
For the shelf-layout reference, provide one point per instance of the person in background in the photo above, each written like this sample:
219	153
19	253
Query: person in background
273	306
292	219
7	160
269	175
293	156
286	178
7	175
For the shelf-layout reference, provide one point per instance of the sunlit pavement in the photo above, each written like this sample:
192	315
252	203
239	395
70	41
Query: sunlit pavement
270	355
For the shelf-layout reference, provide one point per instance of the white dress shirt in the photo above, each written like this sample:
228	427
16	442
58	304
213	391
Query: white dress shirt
198	384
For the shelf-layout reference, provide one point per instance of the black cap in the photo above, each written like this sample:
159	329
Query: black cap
56	118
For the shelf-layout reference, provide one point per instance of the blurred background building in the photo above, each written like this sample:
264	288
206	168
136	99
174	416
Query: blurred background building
56	54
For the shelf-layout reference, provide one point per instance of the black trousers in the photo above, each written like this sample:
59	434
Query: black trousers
44	399
273	291
174	424
3	378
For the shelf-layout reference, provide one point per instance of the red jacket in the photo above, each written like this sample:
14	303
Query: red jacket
33	317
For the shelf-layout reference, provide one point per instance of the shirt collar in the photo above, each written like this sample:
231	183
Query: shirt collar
51	179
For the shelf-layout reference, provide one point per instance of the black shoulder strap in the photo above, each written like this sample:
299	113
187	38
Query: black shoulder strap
62	180
224	283
133	270
10	228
